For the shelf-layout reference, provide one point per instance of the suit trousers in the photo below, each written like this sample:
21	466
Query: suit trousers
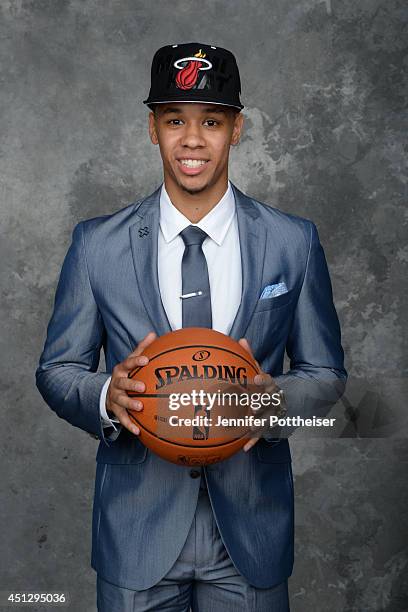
203	579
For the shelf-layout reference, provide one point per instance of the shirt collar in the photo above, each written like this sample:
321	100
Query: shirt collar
215	223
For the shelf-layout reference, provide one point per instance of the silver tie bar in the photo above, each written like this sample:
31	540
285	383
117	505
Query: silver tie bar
189	295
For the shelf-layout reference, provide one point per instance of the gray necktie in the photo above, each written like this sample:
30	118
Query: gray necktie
196	296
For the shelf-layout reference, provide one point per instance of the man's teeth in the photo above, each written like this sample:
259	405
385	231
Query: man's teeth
193	163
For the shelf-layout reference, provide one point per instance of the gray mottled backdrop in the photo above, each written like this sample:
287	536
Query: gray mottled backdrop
323	89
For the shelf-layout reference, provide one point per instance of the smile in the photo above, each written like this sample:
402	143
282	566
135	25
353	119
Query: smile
191	166
193	163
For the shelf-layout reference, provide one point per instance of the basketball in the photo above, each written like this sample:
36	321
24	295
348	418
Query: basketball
196	400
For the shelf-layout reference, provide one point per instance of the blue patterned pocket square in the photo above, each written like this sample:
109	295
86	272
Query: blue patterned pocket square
273	290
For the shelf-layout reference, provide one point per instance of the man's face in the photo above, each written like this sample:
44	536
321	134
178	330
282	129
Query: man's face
194	141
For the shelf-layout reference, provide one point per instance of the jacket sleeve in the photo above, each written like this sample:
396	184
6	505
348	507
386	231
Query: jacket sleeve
317	378
66	375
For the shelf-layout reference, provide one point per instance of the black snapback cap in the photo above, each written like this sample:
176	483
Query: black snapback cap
194	72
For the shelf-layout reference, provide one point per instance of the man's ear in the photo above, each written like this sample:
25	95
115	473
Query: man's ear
152	128
237	129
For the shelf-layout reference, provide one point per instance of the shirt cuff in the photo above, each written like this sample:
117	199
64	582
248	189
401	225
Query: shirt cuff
106	421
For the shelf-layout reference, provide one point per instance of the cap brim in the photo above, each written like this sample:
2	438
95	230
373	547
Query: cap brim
149	102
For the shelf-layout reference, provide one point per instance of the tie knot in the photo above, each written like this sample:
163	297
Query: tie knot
193	235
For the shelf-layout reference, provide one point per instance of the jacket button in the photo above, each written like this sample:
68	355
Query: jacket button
195	473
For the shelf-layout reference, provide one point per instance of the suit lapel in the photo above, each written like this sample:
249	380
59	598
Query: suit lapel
144	242
252	237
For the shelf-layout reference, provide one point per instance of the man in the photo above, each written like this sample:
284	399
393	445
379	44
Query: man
167	537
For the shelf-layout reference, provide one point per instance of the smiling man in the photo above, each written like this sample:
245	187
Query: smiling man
165	536
194	141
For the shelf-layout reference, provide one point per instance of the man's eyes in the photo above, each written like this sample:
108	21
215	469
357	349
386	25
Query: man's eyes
209	122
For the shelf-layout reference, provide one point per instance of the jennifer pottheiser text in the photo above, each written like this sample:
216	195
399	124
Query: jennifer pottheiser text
250	421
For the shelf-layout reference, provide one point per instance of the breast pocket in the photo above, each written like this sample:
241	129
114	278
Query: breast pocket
274	302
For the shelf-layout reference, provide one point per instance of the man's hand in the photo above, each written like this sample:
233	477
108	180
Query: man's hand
263	380
117	399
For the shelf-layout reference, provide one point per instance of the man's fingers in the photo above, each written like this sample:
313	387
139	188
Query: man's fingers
129	384
250	444
147	340
133	361
123	416
245	344
263	379
124	401
129	424
136	358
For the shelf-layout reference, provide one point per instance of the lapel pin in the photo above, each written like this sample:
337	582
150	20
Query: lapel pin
143	231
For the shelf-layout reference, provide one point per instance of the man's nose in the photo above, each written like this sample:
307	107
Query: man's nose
192	136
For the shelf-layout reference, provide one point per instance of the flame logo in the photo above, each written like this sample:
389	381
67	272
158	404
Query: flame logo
188	74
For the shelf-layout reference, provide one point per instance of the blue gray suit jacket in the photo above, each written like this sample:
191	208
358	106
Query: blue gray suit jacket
108	296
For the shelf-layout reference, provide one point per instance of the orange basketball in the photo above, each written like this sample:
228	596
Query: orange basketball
196	397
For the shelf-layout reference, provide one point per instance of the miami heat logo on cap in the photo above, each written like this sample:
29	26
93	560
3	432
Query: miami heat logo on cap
189	69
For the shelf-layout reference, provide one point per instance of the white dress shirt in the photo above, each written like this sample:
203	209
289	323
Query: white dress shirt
223	255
